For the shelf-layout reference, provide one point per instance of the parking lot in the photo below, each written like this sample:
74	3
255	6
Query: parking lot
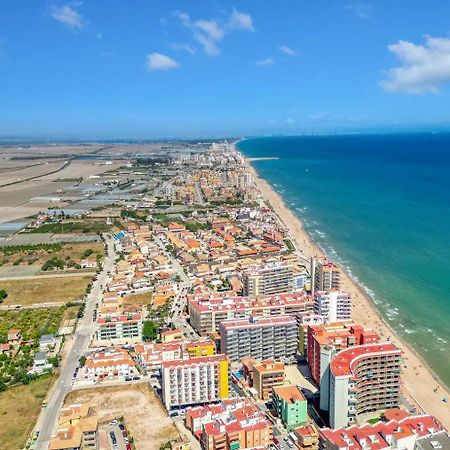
117	436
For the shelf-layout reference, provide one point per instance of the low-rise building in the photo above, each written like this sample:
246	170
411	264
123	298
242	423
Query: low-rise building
409	433
306	437
266	375
108	365
291	406
232	424
47	342
120	329
77	429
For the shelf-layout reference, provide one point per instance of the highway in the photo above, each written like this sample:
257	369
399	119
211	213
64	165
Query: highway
80	341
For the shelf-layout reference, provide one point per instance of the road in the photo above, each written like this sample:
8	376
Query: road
86	326
200	199
180	301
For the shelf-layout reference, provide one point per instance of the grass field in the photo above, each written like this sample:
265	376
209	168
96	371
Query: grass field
19	409
43	290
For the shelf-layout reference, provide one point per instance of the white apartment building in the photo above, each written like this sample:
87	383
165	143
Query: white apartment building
333	306
194	381
118	329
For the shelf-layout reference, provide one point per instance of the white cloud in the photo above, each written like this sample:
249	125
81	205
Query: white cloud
209	33
423	69
265	62
361	9
68	16
211	28
185	48
287	50
240	21
158	61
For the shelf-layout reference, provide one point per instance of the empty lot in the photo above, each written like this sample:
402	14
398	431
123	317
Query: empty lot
44	290
143	414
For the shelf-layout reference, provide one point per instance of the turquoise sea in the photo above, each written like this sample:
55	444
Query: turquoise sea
379	205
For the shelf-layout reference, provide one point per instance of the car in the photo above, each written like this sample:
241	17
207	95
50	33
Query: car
114	422
128	446
124	433
122	426
128	378
136	378
125	440
113	437
289	443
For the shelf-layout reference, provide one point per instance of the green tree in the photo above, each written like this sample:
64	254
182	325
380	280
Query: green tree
150	330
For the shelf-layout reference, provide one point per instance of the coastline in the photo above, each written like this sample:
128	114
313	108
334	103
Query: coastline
418	379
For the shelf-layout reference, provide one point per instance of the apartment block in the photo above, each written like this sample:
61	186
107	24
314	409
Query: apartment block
333	306
151	354
290	405
195	381
266	375
233	424
269	279
304	320
207	312
259	337
120	329
325	341
363	379
325	275
408	433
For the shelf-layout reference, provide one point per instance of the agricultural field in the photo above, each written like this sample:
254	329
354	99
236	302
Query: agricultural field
64	255
51	289
19	409
32	323
85	226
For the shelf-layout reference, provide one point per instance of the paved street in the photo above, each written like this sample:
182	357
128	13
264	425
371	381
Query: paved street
180	301
86	327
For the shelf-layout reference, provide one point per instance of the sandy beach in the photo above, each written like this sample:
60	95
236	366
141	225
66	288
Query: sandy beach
421	386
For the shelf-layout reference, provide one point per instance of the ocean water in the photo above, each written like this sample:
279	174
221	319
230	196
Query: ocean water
379	205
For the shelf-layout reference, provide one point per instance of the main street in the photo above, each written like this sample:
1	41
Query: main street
179	302
80	341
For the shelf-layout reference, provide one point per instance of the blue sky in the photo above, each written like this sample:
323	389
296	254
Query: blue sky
110	68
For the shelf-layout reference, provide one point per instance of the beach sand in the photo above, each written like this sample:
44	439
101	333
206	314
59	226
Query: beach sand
418	379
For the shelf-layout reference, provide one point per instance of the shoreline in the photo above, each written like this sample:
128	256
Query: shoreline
419	381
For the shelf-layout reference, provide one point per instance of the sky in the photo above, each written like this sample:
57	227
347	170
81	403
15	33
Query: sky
155	68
